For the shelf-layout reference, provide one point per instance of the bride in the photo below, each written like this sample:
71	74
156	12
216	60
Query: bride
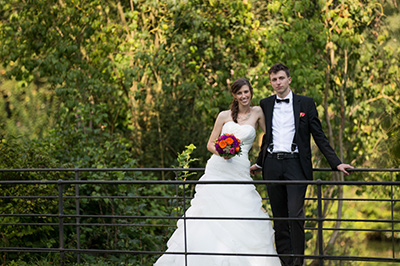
247	234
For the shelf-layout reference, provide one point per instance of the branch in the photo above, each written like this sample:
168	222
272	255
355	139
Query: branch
382	95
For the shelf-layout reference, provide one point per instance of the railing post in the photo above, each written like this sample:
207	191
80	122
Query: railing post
177	194
320	223
184	222
61	220
391	210
78	229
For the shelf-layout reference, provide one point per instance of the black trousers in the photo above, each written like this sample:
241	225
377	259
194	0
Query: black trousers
287	201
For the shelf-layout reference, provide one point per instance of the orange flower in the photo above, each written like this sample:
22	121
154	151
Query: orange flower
237	148
229	141
222	144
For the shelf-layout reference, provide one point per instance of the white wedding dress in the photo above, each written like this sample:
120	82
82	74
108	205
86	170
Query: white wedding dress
228	201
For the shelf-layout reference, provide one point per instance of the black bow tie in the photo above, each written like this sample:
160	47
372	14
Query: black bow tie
283	100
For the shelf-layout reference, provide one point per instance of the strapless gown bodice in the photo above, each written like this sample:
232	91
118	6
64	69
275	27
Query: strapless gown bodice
246	134
227	201
236	168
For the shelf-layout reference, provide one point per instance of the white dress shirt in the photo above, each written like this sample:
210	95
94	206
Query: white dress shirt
283	128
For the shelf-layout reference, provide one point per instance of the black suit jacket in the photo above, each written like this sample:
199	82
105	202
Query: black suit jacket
307	123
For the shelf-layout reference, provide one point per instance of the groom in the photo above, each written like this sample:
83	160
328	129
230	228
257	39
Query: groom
286	155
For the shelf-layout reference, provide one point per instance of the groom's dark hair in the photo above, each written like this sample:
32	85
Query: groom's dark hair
278	67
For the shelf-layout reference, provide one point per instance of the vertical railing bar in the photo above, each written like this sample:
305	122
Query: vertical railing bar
61	220
184	223
177	202
78	229
392	209
320	224
177	193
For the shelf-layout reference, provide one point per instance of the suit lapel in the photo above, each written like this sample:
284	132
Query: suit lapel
270	111
296	111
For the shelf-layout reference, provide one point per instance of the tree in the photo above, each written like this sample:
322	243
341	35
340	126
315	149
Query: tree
137	81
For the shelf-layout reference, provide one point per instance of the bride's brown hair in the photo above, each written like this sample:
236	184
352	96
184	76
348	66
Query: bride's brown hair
234	89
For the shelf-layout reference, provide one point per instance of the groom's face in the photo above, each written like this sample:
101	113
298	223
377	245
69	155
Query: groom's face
280	83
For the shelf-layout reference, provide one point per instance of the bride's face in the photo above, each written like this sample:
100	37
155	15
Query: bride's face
243	95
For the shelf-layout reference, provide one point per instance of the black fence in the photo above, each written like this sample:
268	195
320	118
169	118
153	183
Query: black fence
180	191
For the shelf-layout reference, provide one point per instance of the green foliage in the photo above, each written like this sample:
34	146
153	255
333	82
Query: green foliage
28	108
148	70
146	80
28	154
184	160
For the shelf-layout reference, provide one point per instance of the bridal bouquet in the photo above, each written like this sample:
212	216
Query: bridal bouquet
228	146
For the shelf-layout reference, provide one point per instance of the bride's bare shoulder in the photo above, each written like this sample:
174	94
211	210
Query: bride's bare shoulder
224	115
258	112
257	109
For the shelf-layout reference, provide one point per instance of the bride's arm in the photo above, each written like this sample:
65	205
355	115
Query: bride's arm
221	120
254	169
260	118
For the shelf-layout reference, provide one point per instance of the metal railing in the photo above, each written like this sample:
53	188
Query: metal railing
70	188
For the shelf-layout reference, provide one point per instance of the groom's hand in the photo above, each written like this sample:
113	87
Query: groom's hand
342	168
255	169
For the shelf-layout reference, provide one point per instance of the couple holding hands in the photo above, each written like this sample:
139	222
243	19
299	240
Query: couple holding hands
233	220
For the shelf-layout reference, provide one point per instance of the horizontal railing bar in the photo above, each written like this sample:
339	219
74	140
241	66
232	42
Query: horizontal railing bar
100	169
174	225
326	257
359	170
174	197
93	197
88	224
354	199
180	198
329	257
29	215
130	251
126	197
28	197
196	182
352	229
17	249
32	224
200	218
350	258
172	169
284	219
